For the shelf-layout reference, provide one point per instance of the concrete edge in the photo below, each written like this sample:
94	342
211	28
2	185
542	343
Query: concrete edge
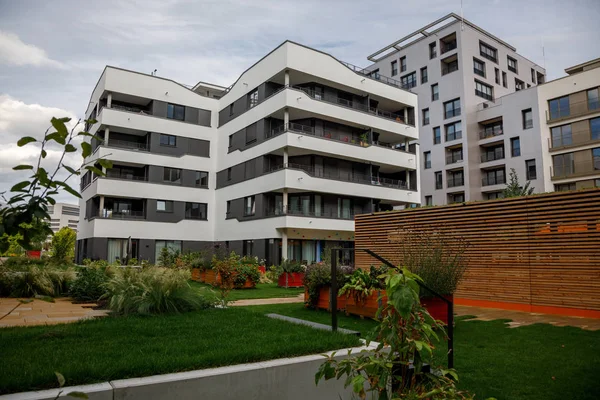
52	393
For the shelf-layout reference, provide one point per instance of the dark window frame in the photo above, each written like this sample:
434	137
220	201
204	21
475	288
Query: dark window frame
168	140
435	95
455	111
169	206
483	94
409	81
527	123
515	151
176	112
513	68
528	173
424	75
481	71
170	171
426	118
199	178
249	210
202	211
438	136
403	64
490	52
394	67
426	163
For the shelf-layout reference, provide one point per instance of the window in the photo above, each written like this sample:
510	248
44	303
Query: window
493	177
454	155
432	51
435	92
437	136
231	109
559	107
248	247
394	67
402	64
250	169
533	75
229	173
453	131
164	206
249	205
427	159
479	67
425	116
201	179
172	175
519	84
174	246
487	51
251	134
515	147
561	136
439	180
424	75
512	64
456	198
253	98
593	99
483	90
195	211
497	76
228	209
428	200
596	157
492	153
527	118
455	178
565	187
530	170
168	140
452	108
504	80
595	128
409	81
494	195
175	111
563	164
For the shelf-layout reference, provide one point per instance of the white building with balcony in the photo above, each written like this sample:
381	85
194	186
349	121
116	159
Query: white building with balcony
275	166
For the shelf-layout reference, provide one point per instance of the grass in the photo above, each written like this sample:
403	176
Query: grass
125	347
262	291
539	361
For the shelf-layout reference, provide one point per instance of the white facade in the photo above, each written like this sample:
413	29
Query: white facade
305	139
63	214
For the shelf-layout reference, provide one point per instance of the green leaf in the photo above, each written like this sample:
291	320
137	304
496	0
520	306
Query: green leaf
69	148
68	189
22	166
61	379
20	186
78	395
59	125
56	136
24	140
71	170
95	170
42	176
44	153
91	121
105	163
87	149
50	200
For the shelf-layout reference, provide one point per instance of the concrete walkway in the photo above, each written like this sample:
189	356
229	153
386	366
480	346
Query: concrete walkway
262	302
521	318
38	312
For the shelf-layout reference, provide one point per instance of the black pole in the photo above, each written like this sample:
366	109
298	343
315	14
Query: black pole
334	290
451	334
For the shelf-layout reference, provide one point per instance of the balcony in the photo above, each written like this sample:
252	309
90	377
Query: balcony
447	46
454	181
454	158
312	212
448	68
375	76
488	133
576	169
492	155
129	174
573	110
123	214
131	107
493	180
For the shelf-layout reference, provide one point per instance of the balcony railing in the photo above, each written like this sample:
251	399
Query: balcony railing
574	169
484	95
454	158
490	133
129	214
454	181
120	175
312	212
493	180
448	68
447	46
492	156
376	76
125	144
131	108
573	110
453	136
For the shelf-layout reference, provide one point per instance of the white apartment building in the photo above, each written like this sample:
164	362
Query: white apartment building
275	166
63	214
556	127
453	66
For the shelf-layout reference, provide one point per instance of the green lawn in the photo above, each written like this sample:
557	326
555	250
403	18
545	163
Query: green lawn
118	347
262	291
506	363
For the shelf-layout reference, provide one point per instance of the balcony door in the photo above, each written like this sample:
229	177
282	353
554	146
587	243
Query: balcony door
344	208
122	249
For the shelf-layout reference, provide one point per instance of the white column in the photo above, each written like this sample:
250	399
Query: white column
287	78
285	156
408	179
284	240
285	199
286	117
106	132
101	211
109	100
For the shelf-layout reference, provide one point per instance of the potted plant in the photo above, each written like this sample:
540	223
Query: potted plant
317	284
247	274
364	140
364	292
291	274
35	251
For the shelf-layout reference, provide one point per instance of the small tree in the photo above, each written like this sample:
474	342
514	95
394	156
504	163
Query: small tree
63	245
514	189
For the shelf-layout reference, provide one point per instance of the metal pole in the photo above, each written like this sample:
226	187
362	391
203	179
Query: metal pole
451	334
334	290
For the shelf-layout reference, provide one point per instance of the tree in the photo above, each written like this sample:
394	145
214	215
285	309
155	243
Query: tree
514	189
63	245
30	198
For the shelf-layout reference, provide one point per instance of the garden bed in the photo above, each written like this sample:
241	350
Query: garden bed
291	279
212	278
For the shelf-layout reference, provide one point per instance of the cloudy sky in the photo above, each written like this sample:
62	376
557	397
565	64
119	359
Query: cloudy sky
53	52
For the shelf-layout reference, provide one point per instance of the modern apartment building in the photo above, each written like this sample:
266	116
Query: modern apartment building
454	65
63	214
556	128
275	166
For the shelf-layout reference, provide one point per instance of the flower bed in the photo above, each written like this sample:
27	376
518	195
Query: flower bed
291	279
244	272
324	300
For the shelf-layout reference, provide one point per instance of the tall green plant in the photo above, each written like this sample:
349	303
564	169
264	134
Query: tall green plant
394	370
513	187
63	245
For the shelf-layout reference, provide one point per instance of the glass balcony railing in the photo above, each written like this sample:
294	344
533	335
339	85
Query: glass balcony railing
493	180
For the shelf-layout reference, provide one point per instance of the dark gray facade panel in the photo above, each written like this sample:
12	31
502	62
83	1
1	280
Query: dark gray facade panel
147	250
191	115
159	109
204	117
156	175
183	146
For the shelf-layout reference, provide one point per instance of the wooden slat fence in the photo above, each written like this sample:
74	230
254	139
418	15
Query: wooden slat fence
536	253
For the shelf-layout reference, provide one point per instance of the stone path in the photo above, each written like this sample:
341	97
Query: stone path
39	312
261	302
521	318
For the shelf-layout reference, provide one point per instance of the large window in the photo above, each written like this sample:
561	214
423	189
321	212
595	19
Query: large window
559	107
512	64
530	170
595	128
455	178
345	208
196	211
394	65
562	136
201	179
483	90
439	180
435	92
452	108
437	135
402	64
175	111
425	116
527	118
565	187
249	205
479	67
453	131
593	99
253	98
172	175
409	81
164	206
493	177
515	147
563	164
488	52
168	140
427	159
424	76
174	246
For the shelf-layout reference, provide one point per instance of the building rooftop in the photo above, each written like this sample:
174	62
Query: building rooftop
586	66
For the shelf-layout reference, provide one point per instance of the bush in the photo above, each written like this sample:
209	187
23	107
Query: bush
35	281
318	275
22	263
90	283
152	290
63	245
291	266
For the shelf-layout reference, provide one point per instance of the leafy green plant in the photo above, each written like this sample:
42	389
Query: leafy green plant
361	285
63	245
244	273
33	281
152	290
90	283
291	266
132	262
318	275
394	369
225	267
513	187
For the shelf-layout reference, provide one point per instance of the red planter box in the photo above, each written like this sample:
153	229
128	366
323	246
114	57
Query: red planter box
323	301
366	308
437	307
291	279
34	253
262	269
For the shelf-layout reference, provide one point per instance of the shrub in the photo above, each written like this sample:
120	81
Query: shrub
90	283
63	245
226	267
362	283
291	266
22	263
35	281
244	273
152	290
318	275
